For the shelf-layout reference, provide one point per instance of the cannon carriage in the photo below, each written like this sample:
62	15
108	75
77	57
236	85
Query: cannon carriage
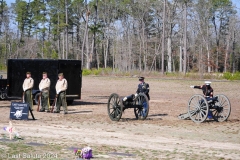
116	106
199	108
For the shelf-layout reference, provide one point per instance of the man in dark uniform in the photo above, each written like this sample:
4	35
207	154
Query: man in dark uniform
207	90
207	93
143	87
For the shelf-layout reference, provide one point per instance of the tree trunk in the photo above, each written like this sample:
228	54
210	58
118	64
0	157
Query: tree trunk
59	39
92	50
233	53
140	55
226	53
88	64
106	53
143	45
180	58
63	43
185	39
66	29
85	37
78	41
169	48
163	35
208	53
94	56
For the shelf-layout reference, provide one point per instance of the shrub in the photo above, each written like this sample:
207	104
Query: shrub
96	71
208	76
231	76
107	71
171	74
236	76
227	75
86	72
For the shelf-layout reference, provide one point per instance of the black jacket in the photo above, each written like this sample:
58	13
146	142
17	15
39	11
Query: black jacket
143	88
206	90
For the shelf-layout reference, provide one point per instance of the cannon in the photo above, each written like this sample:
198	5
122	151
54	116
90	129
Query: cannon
199	108
116	106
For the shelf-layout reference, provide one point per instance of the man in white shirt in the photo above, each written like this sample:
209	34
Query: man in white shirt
61	88
44	87
27	88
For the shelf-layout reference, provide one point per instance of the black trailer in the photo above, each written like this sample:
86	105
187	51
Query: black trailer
16	73
3	88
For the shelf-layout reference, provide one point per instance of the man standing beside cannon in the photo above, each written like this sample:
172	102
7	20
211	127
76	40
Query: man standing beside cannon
207	90
208	94
143	87
44	87
139	102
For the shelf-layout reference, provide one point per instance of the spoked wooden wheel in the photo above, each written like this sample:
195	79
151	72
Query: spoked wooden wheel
198	108
115	108
221	109
142	111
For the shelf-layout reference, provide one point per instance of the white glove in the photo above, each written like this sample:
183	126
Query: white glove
24	89
124	99
136	95
40	89
58	91
192	86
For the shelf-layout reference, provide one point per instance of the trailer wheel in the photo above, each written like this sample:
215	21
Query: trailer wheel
3	95
36	97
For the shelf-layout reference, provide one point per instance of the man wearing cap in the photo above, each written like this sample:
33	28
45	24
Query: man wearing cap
208	94
142	88
44	87
27	88
207	89
61	88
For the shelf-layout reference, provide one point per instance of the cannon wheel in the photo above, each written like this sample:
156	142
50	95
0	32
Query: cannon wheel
141	99
198	108
222	110
115	107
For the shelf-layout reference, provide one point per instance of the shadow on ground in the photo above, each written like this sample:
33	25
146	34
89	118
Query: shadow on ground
155	115
87	103
79	112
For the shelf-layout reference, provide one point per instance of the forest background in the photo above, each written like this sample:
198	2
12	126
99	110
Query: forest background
126	36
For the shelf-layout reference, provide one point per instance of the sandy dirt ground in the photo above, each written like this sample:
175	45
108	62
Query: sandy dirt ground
161	136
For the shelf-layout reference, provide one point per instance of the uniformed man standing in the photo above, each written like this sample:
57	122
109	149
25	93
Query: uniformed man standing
44	87
207	90
143	87
61	88
27	88
207	93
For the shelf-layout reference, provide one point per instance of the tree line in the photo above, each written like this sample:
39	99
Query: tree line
146	35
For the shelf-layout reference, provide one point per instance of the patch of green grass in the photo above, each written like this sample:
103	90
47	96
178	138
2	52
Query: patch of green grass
96	71
231	76
86	72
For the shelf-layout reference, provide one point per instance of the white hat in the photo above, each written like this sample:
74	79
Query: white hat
208	82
